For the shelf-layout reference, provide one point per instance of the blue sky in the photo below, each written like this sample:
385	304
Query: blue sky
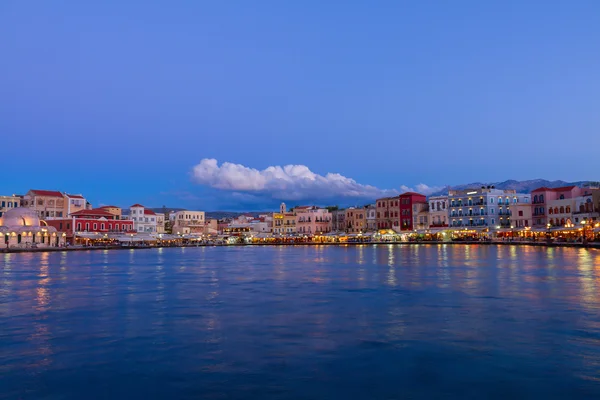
120	100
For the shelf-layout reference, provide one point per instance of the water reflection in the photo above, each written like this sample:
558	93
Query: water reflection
212	321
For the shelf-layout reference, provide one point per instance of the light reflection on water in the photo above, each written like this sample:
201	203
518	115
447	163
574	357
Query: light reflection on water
302	322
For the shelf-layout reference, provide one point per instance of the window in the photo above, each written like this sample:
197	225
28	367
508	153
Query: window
78	226
95	226
491	211
562	197
491	200
3	204
568	209
493	221
102	226
68	226
60	225
87	226
550	211
541	198
520	213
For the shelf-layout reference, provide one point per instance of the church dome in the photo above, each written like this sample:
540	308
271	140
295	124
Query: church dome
18	217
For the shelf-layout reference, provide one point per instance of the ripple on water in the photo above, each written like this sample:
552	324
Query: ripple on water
302	323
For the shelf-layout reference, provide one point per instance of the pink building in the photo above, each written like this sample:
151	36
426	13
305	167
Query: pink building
554	206
311	220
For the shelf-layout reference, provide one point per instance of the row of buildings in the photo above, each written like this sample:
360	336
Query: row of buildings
483	208
70	217
25	218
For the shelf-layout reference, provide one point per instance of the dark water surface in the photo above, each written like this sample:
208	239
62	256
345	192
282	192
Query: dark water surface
369	322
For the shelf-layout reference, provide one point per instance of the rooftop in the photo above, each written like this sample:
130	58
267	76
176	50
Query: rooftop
51	193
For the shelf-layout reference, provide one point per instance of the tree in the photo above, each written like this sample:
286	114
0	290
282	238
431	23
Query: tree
332	208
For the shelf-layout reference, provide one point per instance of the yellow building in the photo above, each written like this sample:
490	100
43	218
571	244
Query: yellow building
8	203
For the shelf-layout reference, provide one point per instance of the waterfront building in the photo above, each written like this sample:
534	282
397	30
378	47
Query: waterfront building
8	203
289	223
479	208
559	204
338	220
283	222
411	204
91	224
438	211
312	220
46	203
356	221
587	208
388	213
73	203
212	226
144	219
422	220
22	228
51	204
189	222
371	215
517	214
114	210
160	223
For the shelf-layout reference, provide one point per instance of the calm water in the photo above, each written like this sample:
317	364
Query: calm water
370	322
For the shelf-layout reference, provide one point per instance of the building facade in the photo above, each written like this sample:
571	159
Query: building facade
312	220
411	204
8	203
371	215
388	213
189	222
144	220
479	208
46	203
86	223
438	211
356	220
22	228
562	204
338	220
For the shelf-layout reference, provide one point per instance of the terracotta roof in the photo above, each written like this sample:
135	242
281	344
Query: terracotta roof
95	212
149	212
76	196
560	189
52	193
109	207
137	205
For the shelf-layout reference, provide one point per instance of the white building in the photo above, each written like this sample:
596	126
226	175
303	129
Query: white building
371	212
480	208
144	220
438	211
189	222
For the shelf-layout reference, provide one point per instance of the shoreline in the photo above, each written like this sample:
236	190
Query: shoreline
454	243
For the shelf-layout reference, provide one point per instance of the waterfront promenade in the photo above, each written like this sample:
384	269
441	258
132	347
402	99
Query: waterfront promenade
592	245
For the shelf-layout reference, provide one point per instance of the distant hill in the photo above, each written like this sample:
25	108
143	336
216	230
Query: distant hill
519	186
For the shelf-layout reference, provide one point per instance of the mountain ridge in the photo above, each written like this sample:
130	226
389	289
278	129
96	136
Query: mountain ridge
525	186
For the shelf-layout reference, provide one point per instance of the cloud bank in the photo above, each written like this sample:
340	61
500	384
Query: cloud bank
289	182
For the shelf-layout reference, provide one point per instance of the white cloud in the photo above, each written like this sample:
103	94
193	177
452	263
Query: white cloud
422	188
289	182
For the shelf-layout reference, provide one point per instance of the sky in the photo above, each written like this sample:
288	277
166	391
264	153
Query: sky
241	104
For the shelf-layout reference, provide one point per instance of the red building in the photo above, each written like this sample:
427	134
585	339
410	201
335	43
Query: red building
411	204
91	221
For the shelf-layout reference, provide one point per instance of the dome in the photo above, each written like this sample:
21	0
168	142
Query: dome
18	217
